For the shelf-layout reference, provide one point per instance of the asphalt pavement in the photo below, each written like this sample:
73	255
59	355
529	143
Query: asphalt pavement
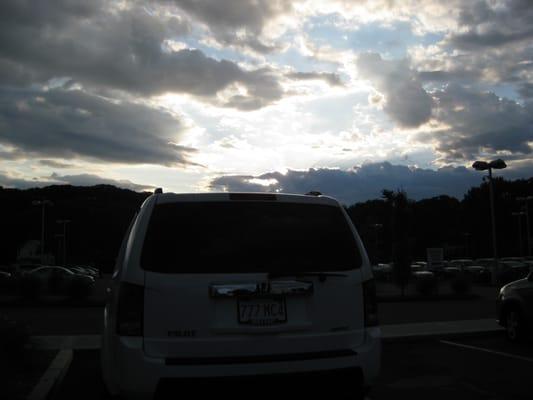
485	366
482	367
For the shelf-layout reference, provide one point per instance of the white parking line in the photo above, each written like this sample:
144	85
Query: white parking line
499	353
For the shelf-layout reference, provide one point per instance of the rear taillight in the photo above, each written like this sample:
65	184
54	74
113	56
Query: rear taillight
370	303
130	310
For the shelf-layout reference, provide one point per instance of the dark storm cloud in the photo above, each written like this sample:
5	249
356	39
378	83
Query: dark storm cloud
488	25
123	49
526	90
21	183
11	154
55	164
491	44
360	184
236	22
91	180
76	180
331	79
70	123
480	123
511	66
406	101
475	122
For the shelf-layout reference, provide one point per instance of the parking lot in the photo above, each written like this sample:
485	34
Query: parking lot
477	367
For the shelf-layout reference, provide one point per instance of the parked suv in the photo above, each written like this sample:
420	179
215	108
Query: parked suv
240	285
516	308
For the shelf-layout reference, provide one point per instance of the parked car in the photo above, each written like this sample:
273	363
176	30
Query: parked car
460	263
515	308
382	272
485	262
423	274
6	280
478	273
417	268
236	285
59	279
83	271
450	272
512	270
20	269
426	282
436	268
95	271
422	263
515	259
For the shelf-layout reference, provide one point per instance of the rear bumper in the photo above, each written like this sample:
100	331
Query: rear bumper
139	376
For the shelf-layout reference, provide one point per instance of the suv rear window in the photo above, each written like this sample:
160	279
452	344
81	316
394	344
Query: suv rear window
233	237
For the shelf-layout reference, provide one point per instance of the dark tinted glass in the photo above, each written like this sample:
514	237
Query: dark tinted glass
224	237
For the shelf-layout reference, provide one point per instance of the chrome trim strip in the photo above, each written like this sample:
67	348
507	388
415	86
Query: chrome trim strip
286	288
291	287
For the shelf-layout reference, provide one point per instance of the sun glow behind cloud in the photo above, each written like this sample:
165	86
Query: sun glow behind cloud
176	95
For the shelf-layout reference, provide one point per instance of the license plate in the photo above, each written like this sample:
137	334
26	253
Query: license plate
262	311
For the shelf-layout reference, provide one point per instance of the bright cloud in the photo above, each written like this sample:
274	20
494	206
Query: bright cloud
196	95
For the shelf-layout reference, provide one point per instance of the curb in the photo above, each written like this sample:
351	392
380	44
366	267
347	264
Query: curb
439	329
438	335
52	304
52	377
429	299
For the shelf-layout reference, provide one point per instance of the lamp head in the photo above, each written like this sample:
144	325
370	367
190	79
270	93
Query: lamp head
498	164
480	165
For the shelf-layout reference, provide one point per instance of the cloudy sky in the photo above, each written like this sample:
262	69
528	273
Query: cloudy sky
343	96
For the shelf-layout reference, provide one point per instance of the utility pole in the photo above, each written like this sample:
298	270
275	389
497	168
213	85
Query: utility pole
64	222
377	227
528	228
43	204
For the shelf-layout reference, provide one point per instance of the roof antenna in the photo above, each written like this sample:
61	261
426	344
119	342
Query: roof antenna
158	191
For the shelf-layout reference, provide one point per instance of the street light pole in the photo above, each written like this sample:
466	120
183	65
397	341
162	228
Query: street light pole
377	227
64	222
484	166
528	229
493	217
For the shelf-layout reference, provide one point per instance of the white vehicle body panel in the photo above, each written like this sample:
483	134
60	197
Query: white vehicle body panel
183	321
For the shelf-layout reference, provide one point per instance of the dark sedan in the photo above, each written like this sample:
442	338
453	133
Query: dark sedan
516	308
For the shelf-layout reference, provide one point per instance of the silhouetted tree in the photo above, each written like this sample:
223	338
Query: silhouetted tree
400	223
100	215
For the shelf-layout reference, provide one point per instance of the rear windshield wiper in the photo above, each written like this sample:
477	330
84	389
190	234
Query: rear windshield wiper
322	276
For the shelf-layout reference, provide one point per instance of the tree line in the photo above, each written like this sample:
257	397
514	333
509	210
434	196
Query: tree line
461	227
99	216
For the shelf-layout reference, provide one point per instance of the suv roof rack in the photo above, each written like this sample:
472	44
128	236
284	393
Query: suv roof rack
313	193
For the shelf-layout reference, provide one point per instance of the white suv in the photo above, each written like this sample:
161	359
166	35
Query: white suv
240	285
